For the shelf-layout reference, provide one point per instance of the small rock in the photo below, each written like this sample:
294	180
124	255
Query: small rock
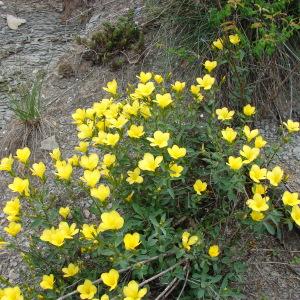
86	213
49	143
1	3
14	22
12	275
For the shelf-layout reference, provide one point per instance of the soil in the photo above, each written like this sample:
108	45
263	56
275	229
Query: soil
44	42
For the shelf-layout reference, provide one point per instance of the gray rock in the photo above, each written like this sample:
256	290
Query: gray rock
49	143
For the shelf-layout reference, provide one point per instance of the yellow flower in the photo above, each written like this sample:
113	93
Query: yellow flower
132	292
89	231
64	211
134	176
118	123
218	44
91	178
55	154
250	134
206	82
70	270
158	78
275	176
224	114
109	159
6	163
103	297
145	90
129	197
47	282
131	241
111	221
54	236
257	174
178	86
259	142
249	110
163	100
259	189
112	139
160	139
295	214
290	199
149	162
79	116
188	240
87	290
145	111
112	87
68	230
235	163
291	126
234	39
200	186
82	147
136	131
144	77
249	153
258	203
20	186
85	130
176	152
102	192
175	170
12	209
11	293
111	278
89	162
214	251
38	169
13	228
257	216
210	65
195	89
229	134
22	155
64	171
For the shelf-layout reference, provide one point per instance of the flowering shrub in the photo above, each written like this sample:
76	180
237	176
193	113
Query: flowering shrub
161	169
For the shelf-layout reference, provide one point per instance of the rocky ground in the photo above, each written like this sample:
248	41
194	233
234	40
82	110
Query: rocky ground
43	42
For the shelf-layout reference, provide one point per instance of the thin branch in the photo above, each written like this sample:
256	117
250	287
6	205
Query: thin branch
168	287
185	282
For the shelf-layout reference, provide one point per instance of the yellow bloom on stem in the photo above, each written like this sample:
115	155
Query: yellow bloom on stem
11	293
118	123
100	139
258	203
54	236
249	153
22	155
87	290
13	228
259	142
103	297
290	199
20	186
145	90
175	170
47	282
112	139
235	163
135	131
131	241
195	89
257	216
250	134
295	214
132	292
158	78
188	240
218	44
89	231
214	251
111	278
85	130
200	186
102	192
70	270
160	139
224	114
89	162
134	176
79	116
178	86
229	134
144	77
68	230
38	169
176	152
149	162
145	111
291	126
259	189
74	160
12	208
256	173
210	65
6	163
82	147
275	176
111	87
249	110
109	159
91	178
111	221
163	100
64	211
206	82
64	171
55	154
234	39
